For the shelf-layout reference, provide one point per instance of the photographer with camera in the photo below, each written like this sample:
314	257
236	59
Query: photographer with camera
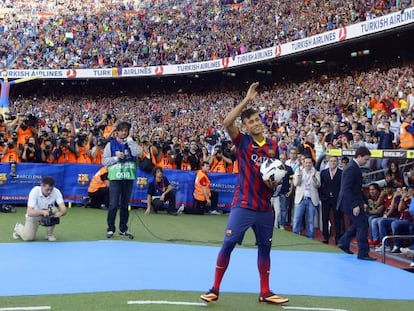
218	161
81	146
41	210
10	154
47	150
32	152
97	150
64	151
120	156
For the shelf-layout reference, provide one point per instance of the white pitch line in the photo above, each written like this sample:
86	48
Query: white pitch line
312	309
26	308
165	302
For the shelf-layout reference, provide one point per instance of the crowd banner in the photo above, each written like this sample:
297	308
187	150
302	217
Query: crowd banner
73	180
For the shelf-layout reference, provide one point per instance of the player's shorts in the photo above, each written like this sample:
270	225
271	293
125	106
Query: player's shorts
241	219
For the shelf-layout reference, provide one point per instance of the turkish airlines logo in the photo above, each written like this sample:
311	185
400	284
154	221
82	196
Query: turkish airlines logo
159	70
342	34
278	50
71	73
225	62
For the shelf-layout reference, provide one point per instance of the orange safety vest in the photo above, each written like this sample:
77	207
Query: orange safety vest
11	156
406	138
154	158
218	166
165	162
198	188
185	166
98	158
97	182
83	157
67	156
23	135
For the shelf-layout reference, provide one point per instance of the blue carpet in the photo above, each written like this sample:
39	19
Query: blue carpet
41	268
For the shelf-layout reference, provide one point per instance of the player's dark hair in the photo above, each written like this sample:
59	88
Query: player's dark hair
247	113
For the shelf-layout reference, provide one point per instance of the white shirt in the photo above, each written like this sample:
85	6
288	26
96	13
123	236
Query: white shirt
39	202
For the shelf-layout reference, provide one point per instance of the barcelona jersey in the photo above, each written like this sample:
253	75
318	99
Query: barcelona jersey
251	192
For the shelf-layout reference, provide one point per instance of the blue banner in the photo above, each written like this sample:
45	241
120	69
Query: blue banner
73	180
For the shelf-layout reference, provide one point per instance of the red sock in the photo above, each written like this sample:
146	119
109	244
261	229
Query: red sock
263	263
222	263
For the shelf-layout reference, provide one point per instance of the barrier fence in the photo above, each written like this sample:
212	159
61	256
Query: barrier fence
73	181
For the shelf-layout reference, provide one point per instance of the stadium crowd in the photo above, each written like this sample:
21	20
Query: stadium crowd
97	34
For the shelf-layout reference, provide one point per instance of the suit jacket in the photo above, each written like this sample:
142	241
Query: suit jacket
351	194
299	183
330	187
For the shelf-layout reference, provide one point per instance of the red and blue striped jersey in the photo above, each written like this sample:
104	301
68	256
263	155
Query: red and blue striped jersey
251	192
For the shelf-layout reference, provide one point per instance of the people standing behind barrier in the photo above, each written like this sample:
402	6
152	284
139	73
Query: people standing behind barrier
120	156
195	156
98	190
97	150
332	219
206	200
47	149
353	202
40	205
293	160
159	192
32	152
307	148
306	181
385	139
284	194
407	133
218	161
64	151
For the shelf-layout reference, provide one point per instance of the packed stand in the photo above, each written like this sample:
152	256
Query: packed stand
98	34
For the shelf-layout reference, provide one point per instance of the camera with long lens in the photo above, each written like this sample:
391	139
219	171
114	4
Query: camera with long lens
13	169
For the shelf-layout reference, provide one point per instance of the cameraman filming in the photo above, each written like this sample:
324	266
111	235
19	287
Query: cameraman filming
41	210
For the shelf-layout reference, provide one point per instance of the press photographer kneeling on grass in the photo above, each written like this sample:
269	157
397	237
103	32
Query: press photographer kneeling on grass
42	210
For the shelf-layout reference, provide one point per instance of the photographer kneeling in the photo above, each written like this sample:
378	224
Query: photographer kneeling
41	210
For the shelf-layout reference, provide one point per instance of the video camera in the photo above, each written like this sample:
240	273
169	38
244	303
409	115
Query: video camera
49	221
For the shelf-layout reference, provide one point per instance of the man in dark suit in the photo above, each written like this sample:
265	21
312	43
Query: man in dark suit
352	201
328	193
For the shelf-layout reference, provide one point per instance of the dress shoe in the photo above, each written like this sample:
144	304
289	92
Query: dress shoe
325	242
367	257
345	250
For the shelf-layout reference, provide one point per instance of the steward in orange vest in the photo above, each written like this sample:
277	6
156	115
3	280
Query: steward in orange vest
407	133
98	189
206	200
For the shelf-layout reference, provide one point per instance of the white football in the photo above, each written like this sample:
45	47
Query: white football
272	169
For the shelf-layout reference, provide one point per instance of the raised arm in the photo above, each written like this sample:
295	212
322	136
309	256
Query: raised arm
228	122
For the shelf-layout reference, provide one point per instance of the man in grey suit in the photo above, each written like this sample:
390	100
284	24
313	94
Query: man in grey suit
307	181
352	201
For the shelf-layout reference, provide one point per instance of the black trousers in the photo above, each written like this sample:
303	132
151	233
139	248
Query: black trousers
201	206
157	204
99	197
330	213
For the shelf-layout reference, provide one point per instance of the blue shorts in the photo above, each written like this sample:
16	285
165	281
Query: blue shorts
241	219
